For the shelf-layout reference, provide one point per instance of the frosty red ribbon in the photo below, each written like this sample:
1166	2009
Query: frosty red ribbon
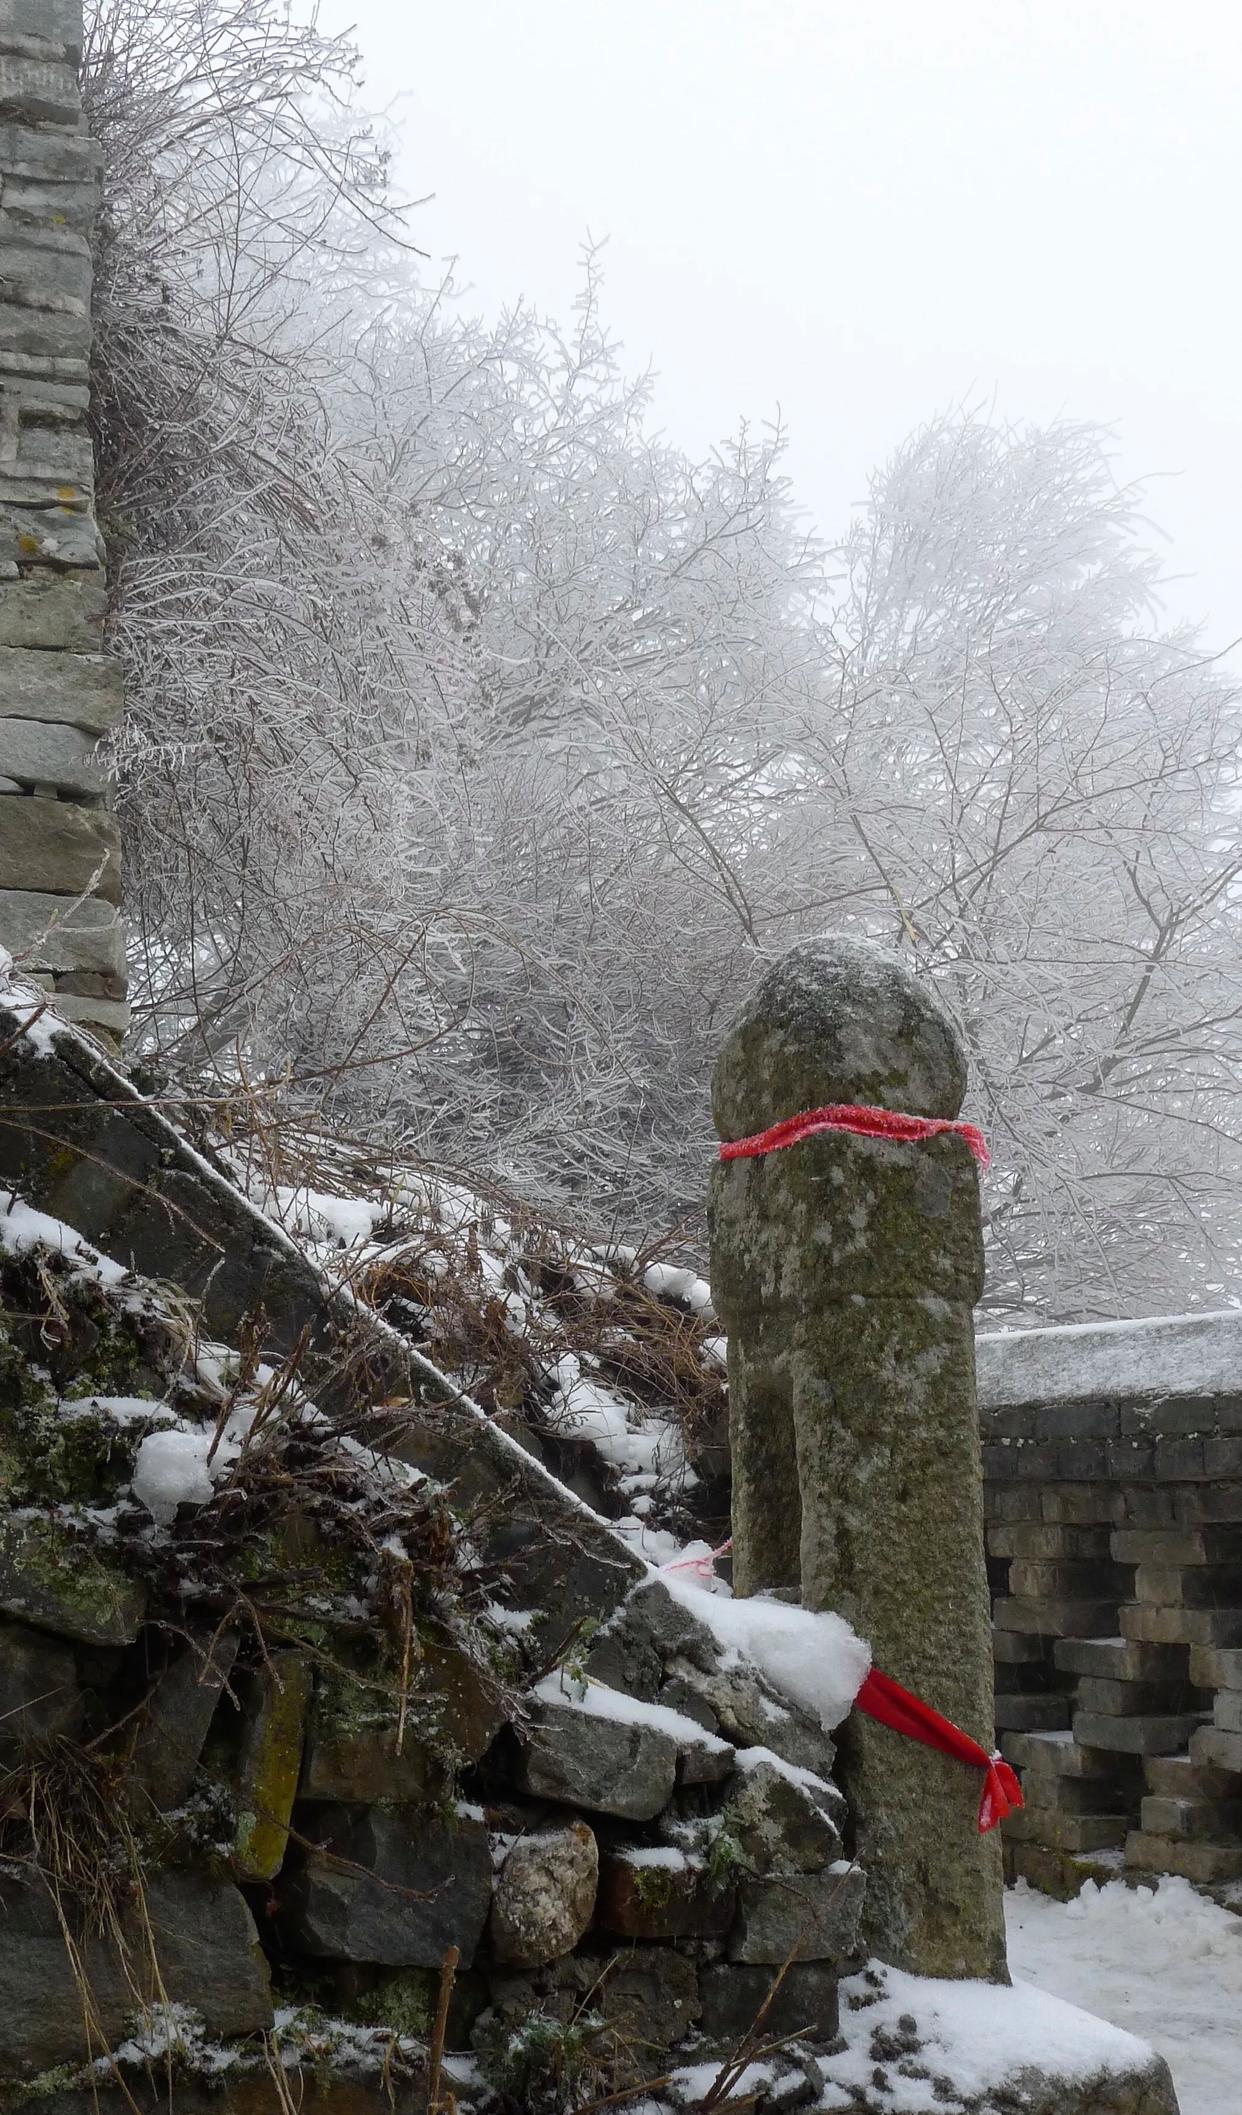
892	1124
884	1699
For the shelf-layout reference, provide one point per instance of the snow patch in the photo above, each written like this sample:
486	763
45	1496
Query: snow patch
814	1659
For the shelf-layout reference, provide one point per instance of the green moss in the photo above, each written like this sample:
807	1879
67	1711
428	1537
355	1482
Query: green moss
653	1886
404	2002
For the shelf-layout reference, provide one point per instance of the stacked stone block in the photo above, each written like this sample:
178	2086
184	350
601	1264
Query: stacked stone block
1113	1460
59	848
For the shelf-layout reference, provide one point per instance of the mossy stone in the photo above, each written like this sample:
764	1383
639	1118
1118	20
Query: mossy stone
844	1270
53	1579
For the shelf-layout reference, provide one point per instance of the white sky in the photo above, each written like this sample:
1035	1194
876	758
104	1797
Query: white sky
861	211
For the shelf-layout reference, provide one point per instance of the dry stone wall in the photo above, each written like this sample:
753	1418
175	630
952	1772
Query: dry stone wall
555	1778
1113	1465
59	848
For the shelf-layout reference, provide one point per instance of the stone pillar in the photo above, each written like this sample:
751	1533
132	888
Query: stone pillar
845	1270
58	692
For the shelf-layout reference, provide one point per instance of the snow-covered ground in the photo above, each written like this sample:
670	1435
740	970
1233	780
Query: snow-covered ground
1164	1963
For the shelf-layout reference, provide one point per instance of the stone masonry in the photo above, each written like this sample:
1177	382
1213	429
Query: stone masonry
59	849
1113	1460
844	1271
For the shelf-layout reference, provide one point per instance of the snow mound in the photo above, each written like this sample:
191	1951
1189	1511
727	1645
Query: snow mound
1163	1959
976	2035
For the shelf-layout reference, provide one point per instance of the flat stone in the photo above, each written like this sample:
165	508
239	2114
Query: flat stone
395	1886
56	846
611	1766
1181	1777
39	89
59	1583
40	752
1060	1874
780	1825
1204	1863
545	1896
1227	1710
1127	1699
1185	1545
64	933
1192	1820
1222	1750
274	1703
1016	1648
51	535
1120	1659
1056	1618
1182	1626
647	1895
749	1714
51	610
39	1691
804	2006
98	1014
352	1753
172	1728
1056	1754
1152	1734
1031	1713
208	1957
1215	1667
809	1917
81	689
1179	1585
1066	1832
57	23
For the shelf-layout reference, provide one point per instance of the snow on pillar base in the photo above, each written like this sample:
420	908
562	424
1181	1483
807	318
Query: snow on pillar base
845	1270
59	851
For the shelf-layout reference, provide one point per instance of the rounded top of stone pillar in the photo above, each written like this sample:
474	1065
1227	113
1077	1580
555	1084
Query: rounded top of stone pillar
837	1020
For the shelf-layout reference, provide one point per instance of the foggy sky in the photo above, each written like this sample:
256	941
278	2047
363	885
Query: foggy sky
863	213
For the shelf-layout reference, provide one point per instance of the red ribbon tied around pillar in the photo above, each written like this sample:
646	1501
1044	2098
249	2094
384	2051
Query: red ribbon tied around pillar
849	1116
884	1699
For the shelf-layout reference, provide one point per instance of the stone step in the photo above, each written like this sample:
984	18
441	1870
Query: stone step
1120	1659
1189	1586
1222	1750
1208	1505
1227	1710
1214	1667
1117	1792
1059	1831
1062	1874
1016	1648
1181	1777
1181	1626
1031	1713
1046	1540
1060	1619
1192	1820
1188	1545
1204	1863
1055	1754
1032	1579
1127	1699
1147	1734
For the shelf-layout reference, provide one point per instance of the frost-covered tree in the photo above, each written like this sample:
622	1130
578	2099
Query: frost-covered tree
481	746
1047	791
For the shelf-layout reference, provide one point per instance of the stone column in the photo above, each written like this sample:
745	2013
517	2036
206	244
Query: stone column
845	1270
58	692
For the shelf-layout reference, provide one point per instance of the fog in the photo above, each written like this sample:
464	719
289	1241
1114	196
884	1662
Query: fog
860	214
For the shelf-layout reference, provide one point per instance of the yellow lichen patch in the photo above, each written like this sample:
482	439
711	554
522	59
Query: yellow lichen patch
271	1764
